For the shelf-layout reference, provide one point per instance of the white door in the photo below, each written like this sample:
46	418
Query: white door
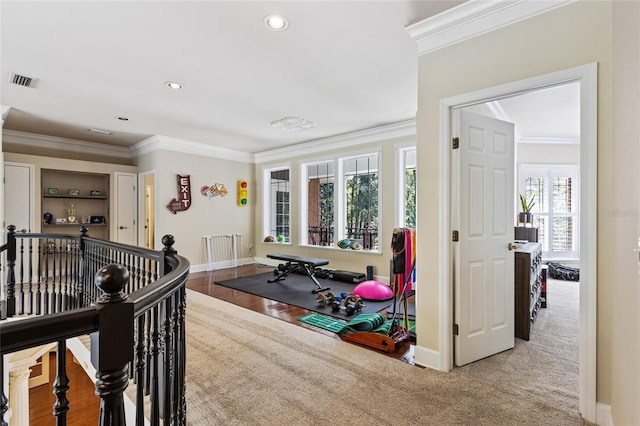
18	196
483	210
126	207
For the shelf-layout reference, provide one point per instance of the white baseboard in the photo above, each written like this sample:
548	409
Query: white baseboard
603	414
220	265
425	357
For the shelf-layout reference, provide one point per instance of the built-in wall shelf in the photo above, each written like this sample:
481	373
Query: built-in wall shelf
67	193
77	197
72	224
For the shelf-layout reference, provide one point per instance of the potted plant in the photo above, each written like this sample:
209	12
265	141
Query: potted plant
525	215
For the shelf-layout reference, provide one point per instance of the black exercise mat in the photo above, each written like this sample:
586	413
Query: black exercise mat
296	290
411	310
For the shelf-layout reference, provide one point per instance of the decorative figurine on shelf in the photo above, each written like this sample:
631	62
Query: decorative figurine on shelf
72	214
48	217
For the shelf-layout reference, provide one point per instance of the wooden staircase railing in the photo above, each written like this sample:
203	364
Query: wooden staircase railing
130	300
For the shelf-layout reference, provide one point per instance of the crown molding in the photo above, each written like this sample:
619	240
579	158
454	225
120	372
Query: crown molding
167	143
4	111
375	134
473	18
160	142
63	144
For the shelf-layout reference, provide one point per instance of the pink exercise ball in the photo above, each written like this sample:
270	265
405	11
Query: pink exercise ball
373	290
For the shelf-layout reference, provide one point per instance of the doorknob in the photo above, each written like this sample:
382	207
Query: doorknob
513	246
123	227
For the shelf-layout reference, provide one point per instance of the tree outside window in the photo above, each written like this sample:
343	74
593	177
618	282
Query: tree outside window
320	203
277	203
361	200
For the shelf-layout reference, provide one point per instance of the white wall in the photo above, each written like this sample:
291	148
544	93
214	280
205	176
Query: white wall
219	215
540	153
624	214
573	35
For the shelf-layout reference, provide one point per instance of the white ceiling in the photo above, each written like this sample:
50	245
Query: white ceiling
345	65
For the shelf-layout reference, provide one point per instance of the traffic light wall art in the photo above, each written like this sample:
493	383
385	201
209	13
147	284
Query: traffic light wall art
243	193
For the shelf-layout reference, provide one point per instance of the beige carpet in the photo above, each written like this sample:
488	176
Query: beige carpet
245	368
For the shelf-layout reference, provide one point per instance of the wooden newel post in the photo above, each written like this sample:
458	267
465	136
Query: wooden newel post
112	345
170	260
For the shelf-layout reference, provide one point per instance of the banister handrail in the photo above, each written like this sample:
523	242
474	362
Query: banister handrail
144	298
45	329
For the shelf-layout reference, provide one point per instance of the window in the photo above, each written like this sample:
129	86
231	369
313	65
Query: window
342	201
320	203
360	176
555	189
277	203
406	187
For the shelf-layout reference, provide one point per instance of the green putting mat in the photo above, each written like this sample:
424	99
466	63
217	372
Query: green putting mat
324	322
337	325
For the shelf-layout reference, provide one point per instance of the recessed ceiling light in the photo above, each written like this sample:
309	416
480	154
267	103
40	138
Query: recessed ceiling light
276	22
102	132
293	124
174	85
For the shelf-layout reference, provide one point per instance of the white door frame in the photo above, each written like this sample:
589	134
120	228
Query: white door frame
32	197
116	219
587	75
142	202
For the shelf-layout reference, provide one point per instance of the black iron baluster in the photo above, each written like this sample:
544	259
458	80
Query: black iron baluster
39	283
182	357
52	283
167	358
61	255
48	252
61	385
31	299
139	370
11	277
155	367
147	336
22	295
67	268
4	401
82	265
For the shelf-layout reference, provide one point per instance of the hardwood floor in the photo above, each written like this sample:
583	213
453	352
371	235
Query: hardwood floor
84	405
205	283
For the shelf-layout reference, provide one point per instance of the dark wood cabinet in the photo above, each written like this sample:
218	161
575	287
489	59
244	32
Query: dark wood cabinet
526	233
528	286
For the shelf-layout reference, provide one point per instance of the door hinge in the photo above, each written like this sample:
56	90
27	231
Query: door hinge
456	143
455	329
454	236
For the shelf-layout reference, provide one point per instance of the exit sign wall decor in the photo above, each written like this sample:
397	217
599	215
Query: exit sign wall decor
183	202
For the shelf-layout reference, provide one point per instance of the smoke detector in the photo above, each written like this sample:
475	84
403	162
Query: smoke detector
22	80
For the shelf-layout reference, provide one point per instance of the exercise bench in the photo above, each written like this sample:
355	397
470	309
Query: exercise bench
298	263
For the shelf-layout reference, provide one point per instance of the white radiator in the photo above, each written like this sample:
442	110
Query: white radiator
222	251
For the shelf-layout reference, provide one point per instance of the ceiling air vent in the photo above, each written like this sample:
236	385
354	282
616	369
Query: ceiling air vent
21	80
